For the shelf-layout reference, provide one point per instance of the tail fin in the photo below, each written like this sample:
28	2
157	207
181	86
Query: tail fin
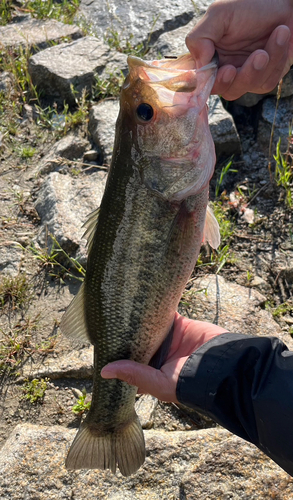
92	449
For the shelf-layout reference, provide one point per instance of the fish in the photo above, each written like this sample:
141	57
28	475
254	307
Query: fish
143	244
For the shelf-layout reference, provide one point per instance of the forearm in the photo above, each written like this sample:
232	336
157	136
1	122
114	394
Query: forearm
245	384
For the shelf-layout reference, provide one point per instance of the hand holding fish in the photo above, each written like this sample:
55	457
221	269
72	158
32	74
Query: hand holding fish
253	40
188	336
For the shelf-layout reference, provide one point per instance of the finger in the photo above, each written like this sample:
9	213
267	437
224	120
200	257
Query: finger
202	51
277	48
147	379
203	37
249	76
263	69
225	78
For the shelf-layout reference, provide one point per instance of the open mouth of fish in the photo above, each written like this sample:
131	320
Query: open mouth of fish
178	92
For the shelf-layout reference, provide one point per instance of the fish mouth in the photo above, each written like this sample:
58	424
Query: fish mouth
178	84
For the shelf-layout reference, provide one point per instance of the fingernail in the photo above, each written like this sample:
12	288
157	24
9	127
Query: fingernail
107	373
228	75
260	61
282	37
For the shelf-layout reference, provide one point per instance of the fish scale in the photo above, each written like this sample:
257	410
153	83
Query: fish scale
142	247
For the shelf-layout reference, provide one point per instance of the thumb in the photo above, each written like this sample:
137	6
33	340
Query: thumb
202	50
147	379
206	33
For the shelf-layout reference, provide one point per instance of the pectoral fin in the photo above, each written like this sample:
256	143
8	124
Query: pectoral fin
211	229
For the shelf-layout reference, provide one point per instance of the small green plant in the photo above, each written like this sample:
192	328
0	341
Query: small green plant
15	343
284	171
249	276
81	406
221	178
15	292
108	86
50	260
15	61
27	152
226	225
282	309
34	390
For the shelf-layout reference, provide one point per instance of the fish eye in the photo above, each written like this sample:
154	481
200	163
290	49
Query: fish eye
145	112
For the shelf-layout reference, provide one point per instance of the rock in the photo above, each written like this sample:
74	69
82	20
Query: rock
57	69
6	81
222	128
77	364
251	99
282	122
36	33
63	205
91	155
145	407
208	464
172	43
137	20
237	308
70	147
102	121
257	282
11	258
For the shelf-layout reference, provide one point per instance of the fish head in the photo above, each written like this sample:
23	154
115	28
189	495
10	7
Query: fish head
163	109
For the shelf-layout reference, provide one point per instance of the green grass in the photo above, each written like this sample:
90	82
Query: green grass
283	309
284	170
56	262
15	343
226	169
64	10
15	292
108	86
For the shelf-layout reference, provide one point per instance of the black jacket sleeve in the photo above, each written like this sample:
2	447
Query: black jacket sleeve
245	384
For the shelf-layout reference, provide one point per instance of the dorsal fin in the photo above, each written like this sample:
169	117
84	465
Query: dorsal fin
90	225
73	323
211	229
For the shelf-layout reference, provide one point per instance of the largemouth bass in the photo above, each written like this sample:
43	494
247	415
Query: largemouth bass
143	245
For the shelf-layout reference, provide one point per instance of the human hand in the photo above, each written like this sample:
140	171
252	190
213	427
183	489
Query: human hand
253	40
188	336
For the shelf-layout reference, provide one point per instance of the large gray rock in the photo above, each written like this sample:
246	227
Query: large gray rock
102	120
63	205
282	121
210	464
70	147
172	43
137	19
69	68
11	258
36	33
223	129
76	364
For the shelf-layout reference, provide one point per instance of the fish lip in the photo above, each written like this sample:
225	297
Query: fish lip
159	65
